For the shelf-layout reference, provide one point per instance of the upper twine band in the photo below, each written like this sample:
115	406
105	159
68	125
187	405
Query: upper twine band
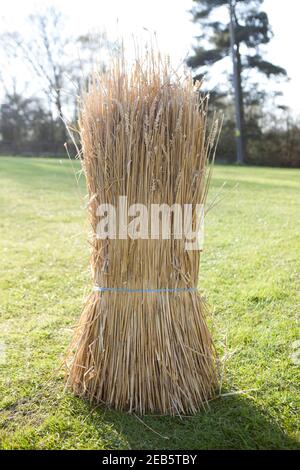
124	289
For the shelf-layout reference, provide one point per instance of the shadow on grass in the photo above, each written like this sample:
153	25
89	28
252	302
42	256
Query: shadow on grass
231	423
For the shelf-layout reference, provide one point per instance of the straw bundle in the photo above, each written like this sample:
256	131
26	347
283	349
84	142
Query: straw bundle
143	135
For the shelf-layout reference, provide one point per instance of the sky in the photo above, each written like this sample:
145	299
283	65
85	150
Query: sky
171	21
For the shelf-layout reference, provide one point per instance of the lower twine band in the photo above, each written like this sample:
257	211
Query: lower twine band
124	289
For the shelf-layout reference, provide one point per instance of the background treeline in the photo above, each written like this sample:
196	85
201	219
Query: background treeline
34	108
28	128
273	139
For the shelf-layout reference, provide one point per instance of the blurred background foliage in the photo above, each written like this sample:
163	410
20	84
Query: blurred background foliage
32	118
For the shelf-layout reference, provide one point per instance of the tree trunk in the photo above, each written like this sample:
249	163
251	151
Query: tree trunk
241	100
61	116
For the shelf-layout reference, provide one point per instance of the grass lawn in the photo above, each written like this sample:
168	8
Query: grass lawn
250	276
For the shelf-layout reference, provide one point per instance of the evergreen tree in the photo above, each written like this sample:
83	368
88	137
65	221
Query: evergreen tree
252	30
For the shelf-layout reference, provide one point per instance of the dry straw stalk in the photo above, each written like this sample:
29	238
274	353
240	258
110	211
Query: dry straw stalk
144	135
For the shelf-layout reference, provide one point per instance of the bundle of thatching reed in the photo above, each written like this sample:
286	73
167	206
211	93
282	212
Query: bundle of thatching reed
143	135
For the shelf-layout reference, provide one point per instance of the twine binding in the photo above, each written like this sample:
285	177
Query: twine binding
124	289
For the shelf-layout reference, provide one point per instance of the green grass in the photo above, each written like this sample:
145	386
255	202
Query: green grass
250	275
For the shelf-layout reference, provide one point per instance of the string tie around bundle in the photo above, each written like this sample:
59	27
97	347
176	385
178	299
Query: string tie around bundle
163	290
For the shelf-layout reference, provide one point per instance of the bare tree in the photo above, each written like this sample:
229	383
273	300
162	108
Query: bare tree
45	51
58	60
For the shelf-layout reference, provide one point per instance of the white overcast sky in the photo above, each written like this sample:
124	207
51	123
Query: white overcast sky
171	21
